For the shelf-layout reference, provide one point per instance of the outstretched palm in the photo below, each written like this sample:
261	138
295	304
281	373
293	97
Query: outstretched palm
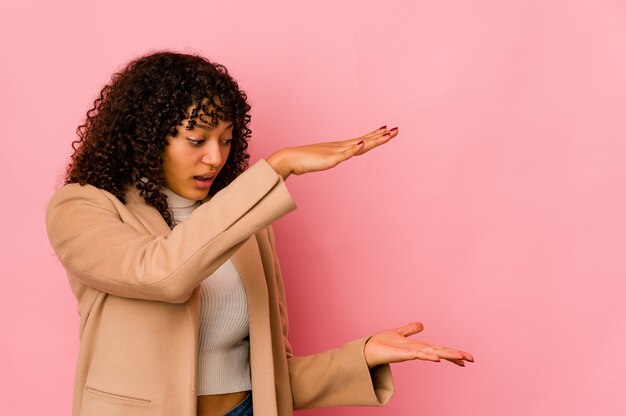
392	346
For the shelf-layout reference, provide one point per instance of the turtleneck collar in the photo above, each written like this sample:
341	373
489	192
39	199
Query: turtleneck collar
180	207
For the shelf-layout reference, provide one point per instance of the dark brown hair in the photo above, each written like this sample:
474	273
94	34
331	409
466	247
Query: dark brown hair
121	142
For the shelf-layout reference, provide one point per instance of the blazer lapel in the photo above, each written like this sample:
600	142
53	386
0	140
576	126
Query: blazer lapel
248	262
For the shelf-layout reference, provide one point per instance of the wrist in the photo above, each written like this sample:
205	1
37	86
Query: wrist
279	163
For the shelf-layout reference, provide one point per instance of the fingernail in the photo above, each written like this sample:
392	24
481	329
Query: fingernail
359	143
383	127
395	128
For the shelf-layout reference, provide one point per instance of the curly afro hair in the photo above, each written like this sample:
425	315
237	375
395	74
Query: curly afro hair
124	135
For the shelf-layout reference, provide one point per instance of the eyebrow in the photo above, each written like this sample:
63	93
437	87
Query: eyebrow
205	127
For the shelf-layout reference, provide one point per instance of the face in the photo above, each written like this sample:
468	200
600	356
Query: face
193	158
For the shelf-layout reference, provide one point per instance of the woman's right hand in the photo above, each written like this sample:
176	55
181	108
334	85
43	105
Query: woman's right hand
322	156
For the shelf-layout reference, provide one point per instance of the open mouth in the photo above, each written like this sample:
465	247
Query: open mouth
203	181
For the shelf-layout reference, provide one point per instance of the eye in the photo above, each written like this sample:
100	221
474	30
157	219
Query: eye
226	141
195	142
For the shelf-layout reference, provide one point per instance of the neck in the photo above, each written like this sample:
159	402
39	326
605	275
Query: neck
180	207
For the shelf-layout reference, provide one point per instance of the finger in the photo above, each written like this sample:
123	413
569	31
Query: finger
383	132
422	355
382	135
379	131
461	354
442	352
373	135
349	152
458	362
376	141
448	354
376	134
467	356
410	329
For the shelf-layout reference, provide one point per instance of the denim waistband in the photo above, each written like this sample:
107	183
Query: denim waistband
242	409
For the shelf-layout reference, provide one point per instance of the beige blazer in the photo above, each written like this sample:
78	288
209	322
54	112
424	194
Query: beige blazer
136	283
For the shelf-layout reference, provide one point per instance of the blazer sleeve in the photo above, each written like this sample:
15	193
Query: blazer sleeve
97	247
337	377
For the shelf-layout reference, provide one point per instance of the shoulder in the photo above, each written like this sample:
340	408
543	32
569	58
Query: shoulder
77	192
72	199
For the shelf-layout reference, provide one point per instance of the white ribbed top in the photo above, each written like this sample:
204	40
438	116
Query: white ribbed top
224	350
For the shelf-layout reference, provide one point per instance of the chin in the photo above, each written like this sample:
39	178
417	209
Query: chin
194	194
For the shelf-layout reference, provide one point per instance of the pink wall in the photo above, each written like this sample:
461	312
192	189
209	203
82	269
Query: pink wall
496	217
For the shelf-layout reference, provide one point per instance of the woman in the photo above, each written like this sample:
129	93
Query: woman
167	243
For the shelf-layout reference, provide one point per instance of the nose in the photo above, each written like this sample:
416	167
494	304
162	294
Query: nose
212	155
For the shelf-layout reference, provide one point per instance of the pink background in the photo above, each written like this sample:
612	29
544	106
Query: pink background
497	217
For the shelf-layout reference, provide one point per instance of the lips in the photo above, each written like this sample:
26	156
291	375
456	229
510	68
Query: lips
204	181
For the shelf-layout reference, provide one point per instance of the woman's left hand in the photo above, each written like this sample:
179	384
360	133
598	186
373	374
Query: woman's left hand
393	346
